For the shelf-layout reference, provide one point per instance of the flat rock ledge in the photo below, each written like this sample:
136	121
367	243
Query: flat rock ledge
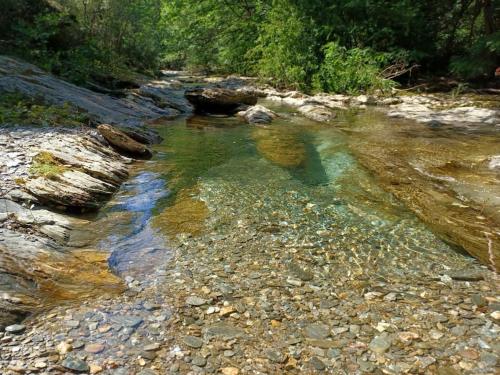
431	109
62	168
87	170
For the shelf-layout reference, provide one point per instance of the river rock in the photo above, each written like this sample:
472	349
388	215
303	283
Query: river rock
258	114
317	112
317	331
223	330
123	143
193	341
219	100
75	364
15	328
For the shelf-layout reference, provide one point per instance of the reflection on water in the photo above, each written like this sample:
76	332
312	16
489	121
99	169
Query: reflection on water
300	185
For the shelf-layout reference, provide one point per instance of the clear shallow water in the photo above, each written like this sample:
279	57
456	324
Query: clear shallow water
293	184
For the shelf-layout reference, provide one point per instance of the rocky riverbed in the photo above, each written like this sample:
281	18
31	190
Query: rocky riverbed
235	274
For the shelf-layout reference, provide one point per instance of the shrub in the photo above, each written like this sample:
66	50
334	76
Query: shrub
351	70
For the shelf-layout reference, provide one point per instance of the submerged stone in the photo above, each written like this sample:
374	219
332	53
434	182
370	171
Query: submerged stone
75	364
223	330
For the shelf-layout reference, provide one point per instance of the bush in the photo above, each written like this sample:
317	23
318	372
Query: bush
481	59
351	71
286	47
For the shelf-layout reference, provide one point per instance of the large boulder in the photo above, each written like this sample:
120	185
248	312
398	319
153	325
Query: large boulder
123	143
218	100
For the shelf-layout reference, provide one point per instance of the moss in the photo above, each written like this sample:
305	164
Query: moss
17	109
45	165
20	181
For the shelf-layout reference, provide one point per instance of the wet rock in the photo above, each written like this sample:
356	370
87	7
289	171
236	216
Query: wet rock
15	328
127	321
198	361
193	341
152	347
94	348
75	364
466	275
223	330
218	100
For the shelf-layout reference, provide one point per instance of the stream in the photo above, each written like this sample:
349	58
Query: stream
286	248
296	179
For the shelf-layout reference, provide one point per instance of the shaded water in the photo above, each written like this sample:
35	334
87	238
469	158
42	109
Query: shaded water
297	182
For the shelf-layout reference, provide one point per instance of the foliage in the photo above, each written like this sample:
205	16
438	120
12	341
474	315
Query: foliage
292	43
19	110
479	60
45	165
285	47
351	71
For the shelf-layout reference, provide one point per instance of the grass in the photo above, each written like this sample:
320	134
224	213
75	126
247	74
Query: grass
16	109
45	165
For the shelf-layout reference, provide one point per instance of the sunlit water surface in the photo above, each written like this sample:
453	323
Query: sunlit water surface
296	180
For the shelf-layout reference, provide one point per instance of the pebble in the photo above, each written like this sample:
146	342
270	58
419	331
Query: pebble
195	301
15	328
380	344
317	363
127	321
94	348
152	347
275	356
230	371
193	342
75	364
317	331
198	361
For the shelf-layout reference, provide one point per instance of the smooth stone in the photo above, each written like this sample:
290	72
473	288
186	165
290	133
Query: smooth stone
198	361
152	347
466	275
75	364
15	328
223	330
193	341
317	331
195	301
127	321
94	348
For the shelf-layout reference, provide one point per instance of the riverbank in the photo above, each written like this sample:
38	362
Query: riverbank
257	302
